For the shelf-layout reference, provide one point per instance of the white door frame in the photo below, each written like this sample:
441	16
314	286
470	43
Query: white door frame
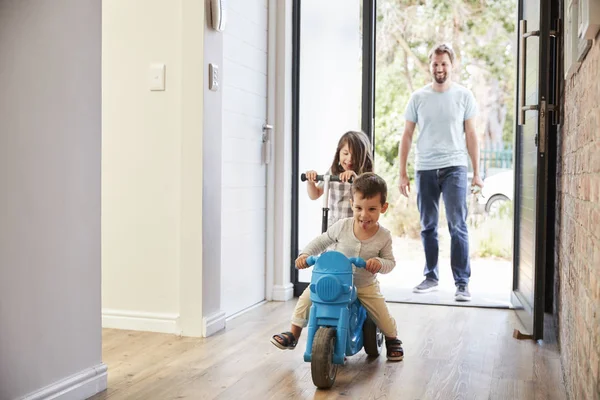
278	285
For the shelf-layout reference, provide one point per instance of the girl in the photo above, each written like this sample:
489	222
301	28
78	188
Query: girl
352	157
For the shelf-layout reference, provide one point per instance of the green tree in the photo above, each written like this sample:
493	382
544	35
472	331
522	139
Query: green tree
482	34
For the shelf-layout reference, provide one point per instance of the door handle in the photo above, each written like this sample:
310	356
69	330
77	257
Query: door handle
523	36
266	146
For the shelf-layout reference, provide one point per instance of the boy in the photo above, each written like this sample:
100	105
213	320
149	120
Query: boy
359	236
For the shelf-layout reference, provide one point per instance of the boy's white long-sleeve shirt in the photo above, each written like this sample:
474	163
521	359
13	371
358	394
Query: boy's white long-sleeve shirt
341	236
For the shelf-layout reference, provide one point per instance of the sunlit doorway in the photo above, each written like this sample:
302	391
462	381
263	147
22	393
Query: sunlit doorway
483	36
330	98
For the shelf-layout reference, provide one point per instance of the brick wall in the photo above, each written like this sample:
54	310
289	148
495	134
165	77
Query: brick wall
578	230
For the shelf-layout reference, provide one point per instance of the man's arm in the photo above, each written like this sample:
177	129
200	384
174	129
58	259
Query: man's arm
473	149
405	144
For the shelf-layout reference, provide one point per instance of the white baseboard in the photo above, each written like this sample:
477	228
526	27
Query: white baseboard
141	321
76	387
283	292
213	323
245	310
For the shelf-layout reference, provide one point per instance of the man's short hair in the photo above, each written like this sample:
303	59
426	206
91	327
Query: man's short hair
370	185
442	49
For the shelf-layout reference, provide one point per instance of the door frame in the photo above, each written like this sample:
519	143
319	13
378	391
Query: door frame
367	110
548	91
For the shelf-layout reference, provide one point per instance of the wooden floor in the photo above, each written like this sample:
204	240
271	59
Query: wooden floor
450	353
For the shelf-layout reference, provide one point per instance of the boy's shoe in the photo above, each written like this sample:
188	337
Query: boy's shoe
394	346
428	285
286	341
462	293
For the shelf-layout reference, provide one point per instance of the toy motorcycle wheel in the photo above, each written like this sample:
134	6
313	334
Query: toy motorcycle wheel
372	338
322	367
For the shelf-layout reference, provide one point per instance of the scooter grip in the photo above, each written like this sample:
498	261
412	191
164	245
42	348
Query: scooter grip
332	178
358	261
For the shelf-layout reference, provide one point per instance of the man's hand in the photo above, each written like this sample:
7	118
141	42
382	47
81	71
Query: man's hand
476	181
301	261
373	265
404	185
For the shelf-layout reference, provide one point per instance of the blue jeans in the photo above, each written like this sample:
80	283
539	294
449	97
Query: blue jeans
451	182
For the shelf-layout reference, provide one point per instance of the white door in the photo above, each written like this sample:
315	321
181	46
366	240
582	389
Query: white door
244	176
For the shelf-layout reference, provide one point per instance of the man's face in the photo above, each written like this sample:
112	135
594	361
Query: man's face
367	211
441	67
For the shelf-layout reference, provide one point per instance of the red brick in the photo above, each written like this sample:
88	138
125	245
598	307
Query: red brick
578	230
584	214
595	256
585	154
594	287
595	222
595	157
595	188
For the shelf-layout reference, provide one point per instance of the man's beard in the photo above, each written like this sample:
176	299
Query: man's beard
440	78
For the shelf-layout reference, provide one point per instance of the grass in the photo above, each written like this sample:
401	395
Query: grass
489	237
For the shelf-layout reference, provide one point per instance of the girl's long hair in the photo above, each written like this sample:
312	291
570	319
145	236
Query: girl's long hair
360	148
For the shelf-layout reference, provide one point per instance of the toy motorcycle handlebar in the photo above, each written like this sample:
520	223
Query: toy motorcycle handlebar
358	261
320	178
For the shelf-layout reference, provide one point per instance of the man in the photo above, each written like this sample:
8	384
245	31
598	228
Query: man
445	112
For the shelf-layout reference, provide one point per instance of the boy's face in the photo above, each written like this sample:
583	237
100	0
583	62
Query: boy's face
367	211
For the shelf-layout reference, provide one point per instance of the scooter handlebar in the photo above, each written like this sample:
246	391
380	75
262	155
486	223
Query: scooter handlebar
320	178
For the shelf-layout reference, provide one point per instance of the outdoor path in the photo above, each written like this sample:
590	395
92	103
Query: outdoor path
490	286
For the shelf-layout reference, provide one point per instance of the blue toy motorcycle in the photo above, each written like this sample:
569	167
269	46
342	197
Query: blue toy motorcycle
338	325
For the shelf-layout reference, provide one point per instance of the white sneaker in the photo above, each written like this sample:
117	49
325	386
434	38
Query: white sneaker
428	285
462	293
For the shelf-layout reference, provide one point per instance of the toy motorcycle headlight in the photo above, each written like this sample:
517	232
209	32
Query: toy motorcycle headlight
328	288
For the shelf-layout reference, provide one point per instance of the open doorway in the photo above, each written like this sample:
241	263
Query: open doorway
483	36
330	99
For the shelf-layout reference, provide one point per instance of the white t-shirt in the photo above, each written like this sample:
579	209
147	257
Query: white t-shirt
440	117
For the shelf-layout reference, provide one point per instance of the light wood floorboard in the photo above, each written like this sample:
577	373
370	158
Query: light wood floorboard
450	353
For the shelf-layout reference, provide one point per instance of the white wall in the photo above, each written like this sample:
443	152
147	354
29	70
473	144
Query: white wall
152	166
161	206
50	138
278	285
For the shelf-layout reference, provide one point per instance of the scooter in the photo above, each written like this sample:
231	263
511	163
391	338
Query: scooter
326	179
338	324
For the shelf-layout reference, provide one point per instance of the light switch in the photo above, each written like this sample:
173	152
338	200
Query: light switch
157	77
213	77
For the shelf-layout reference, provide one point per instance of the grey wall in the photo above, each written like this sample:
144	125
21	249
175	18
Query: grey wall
50	140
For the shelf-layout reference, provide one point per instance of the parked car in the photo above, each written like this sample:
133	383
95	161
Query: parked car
497	189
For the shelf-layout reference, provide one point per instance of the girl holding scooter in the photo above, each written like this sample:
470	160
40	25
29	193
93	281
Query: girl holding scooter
353	156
